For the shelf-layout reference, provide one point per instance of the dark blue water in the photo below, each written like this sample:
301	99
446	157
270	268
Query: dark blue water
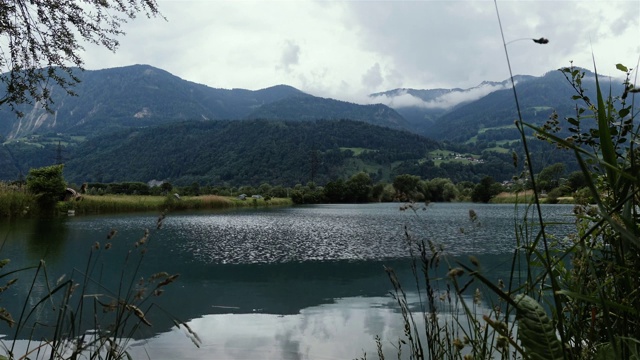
276	269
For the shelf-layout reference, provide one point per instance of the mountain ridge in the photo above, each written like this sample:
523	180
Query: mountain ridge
142	95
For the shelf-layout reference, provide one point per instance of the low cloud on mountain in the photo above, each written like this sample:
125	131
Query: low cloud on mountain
445	101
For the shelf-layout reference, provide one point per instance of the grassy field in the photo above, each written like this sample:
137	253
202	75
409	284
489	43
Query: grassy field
93	204
356	150
524	197
446	156
498	149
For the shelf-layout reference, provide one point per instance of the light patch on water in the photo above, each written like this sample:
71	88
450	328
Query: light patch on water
343	232
345	329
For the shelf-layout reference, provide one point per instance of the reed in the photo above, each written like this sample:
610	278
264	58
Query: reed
103	204
15	201
91	319
572	298
91	204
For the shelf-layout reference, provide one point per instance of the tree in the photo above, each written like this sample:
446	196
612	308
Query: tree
406	185
166	187
439	190
48	184
358	187
377	191
485	190
549	177
44	39
576	180
334	191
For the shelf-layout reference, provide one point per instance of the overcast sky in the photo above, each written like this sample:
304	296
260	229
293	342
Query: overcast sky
349	49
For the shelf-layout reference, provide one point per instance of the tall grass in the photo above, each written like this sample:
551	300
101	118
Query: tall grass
91	319
15	201
571	298
94	204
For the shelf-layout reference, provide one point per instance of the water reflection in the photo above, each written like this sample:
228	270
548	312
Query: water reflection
47	239
299	282
343	330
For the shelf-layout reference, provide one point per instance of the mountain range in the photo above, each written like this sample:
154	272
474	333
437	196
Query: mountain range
140	102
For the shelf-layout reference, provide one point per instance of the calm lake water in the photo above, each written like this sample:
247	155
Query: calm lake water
304	282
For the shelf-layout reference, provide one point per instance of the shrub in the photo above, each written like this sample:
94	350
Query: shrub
48	185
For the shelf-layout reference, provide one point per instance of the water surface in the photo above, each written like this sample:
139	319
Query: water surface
298	282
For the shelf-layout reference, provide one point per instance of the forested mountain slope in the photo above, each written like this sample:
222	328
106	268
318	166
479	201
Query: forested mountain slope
246	152
141	95
302	108
538	99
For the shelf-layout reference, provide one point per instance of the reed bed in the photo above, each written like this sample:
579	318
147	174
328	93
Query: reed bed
525	198
95	204
513	197
15	201
91	204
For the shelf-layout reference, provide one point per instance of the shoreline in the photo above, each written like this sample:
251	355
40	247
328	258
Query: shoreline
110	204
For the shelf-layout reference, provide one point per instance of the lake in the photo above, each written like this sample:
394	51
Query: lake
303	282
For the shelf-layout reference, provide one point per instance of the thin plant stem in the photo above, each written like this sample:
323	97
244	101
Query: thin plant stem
536	198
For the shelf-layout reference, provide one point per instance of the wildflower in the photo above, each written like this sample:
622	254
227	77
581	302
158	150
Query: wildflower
477	297
138	313
502	342
455	272
458	344
501	326
474	260
168	280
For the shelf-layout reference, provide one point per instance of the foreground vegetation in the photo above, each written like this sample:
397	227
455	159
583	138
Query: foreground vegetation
565	298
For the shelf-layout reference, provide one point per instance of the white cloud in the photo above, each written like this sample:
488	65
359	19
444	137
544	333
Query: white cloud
445	101
290	56
402	99
452	99
348	49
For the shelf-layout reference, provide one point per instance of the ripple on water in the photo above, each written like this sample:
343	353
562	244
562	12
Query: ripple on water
341	232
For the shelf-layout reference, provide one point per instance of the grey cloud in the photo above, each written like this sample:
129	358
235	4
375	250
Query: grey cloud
458	43
446	101
373	77
290	55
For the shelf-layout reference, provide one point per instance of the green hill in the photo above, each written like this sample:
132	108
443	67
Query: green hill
247	152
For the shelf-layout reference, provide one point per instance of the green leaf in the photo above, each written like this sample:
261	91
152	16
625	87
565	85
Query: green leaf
621	67
536	330
623	112
606	144
605	352
608	351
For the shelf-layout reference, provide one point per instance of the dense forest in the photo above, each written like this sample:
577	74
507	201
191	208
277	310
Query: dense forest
247	152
